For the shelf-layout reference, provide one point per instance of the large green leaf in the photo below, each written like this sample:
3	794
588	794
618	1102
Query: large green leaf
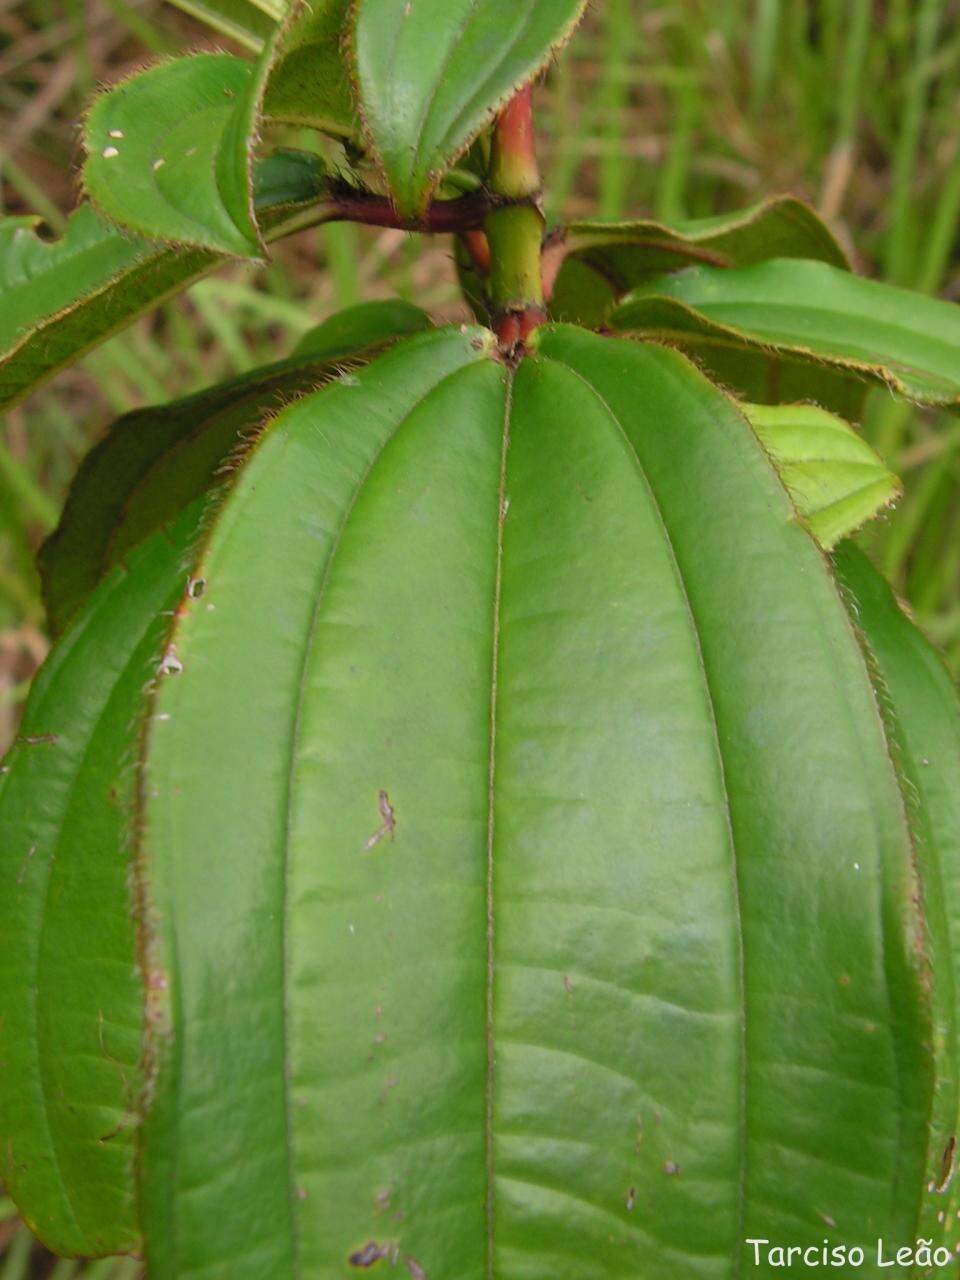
154	461
308	82
249	23
169	152
603	259
71	1011
923	713
60	298
836	480
431	73
573	876
808	311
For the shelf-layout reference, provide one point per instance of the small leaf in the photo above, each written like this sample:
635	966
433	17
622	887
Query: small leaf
169	153
431	73
625	253
308	82
59	299
250	24
835	479
811	312
155	461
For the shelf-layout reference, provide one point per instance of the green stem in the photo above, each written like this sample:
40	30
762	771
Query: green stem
515	229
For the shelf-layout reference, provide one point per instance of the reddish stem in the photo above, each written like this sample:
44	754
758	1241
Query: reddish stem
479	251
466	213
515	173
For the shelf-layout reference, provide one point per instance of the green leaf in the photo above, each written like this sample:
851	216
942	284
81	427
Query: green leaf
250	24
363	325
543	847
321	451
59	299
308	82
154	461
626	253
923	716
519	849
807	311
71	1024
169	152
431	73
836	480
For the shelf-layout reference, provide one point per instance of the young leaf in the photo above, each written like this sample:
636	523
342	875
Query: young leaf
808	311
835	479
624	254
155	461
59	299
169	153
308	82
250	24
431	73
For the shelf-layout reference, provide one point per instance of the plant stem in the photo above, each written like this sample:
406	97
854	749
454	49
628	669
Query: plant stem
466	213
515	228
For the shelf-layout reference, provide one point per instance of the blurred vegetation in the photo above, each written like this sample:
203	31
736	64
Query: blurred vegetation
671	107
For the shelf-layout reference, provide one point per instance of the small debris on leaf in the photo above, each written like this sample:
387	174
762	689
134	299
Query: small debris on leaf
389	824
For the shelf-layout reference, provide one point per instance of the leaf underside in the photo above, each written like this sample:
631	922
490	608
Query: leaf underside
431	73
526	854
248	23
606	258
808	312
836	480
308	82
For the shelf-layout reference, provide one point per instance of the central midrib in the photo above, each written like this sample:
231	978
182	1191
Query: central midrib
491	780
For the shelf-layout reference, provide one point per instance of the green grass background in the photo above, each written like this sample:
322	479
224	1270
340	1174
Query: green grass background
671	107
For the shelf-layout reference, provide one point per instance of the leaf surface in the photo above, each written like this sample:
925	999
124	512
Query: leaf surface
808	311
59	299
431	73
154	461
313	466
836	480
308	82
169	152
614	256
573	876
923	715
71	1017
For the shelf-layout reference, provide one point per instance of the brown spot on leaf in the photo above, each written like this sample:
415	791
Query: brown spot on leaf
388	824
947	1164
371	1253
